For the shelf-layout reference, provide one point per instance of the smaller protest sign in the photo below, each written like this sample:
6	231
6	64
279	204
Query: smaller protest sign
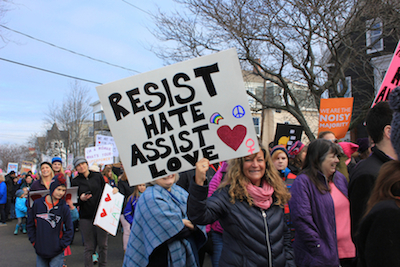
99	155
392	78
26	166
70	160
287	134
335	115
109	210
12	167
102	140
72	193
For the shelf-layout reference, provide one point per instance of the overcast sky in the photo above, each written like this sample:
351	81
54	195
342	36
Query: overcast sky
108	30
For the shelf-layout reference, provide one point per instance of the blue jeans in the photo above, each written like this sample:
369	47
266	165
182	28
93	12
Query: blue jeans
217	247
56	261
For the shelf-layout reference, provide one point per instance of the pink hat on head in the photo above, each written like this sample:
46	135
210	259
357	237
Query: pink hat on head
348	149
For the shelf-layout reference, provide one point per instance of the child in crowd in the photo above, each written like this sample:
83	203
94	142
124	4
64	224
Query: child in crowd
131	203
49	224
21	210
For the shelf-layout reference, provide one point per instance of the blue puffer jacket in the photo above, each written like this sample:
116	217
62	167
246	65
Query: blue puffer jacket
249	238
3	193
313	216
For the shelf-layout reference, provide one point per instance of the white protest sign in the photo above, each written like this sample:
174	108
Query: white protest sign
107	140
12	167
165	120
109	210
99	155
72	193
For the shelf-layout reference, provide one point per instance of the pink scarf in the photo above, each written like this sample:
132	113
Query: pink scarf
262	196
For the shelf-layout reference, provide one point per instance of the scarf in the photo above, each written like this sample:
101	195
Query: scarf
262	196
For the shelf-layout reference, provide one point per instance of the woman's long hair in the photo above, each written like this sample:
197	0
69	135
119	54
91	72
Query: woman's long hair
237	181
316	154
387	185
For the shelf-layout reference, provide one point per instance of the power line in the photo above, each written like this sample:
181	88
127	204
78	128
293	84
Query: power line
68	50
138	8
33	67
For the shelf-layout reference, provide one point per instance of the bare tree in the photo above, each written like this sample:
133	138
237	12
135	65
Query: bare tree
71	115
285	40
13	153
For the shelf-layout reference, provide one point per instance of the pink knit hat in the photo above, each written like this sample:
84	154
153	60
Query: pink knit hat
348	149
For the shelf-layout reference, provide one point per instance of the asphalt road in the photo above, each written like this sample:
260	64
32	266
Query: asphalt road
16	250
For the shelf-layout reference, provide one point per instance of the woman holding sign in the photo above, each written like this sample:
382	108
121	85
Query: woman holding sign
90	187
248	204
161	233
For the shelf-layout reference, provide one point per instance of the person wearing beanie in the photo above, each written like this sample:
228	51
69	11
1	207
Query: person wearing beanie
90	188
21	210
297	154
49	225
363	176
363	148
280	159
56	165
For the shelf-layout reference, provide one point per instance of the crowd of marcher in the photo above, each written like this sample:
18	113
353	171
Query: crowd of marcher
326	203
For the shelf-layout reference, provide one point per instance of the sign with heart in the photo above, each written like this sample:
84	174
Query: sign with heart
166	120
72	193
109	210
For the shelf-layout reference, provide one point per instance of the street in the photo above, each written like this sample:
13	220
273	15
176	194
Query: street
16	250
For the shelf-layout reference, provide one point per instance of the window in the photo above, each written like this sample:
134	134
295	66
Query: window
90	131
340	87
256	121
374	34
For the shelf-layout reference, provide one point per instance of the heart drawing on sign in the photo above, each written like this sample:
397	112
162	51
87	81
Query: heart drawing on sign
232	137
108	198
68	196
104	213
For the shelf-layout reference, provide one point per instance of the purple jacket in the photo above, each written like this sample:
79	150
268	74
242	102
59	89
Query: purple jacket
313	216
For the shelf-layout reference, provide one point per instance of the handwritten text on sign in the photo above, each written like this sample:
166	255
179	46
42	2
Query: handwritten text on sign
109	210
99	155
392	78
165	120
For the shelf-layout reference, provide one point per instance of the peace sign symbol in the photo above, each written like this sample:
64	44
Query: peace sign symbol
238	112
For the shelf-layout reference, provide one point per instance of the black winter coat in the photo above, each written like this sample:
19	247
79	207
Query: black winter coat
362	181
379	236
249	238
95	184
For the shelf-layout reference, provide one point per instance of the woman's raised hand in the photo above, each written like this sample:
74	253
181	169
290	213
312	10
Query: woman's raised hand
201	169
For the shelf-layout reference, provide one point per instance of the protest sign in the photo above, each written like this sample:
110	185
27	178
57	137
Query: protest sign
12	167
70	161
165	120
107	140
109	210
72	193
392	78
99	155
287	134
26	166
335	115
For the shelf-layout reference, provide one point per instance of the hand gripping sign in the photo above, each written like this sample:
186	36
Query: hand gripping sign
165	120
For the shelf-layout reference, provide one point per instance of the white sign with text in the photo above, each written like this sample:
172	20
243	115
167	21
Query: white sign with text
109	210
165	120
99	154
